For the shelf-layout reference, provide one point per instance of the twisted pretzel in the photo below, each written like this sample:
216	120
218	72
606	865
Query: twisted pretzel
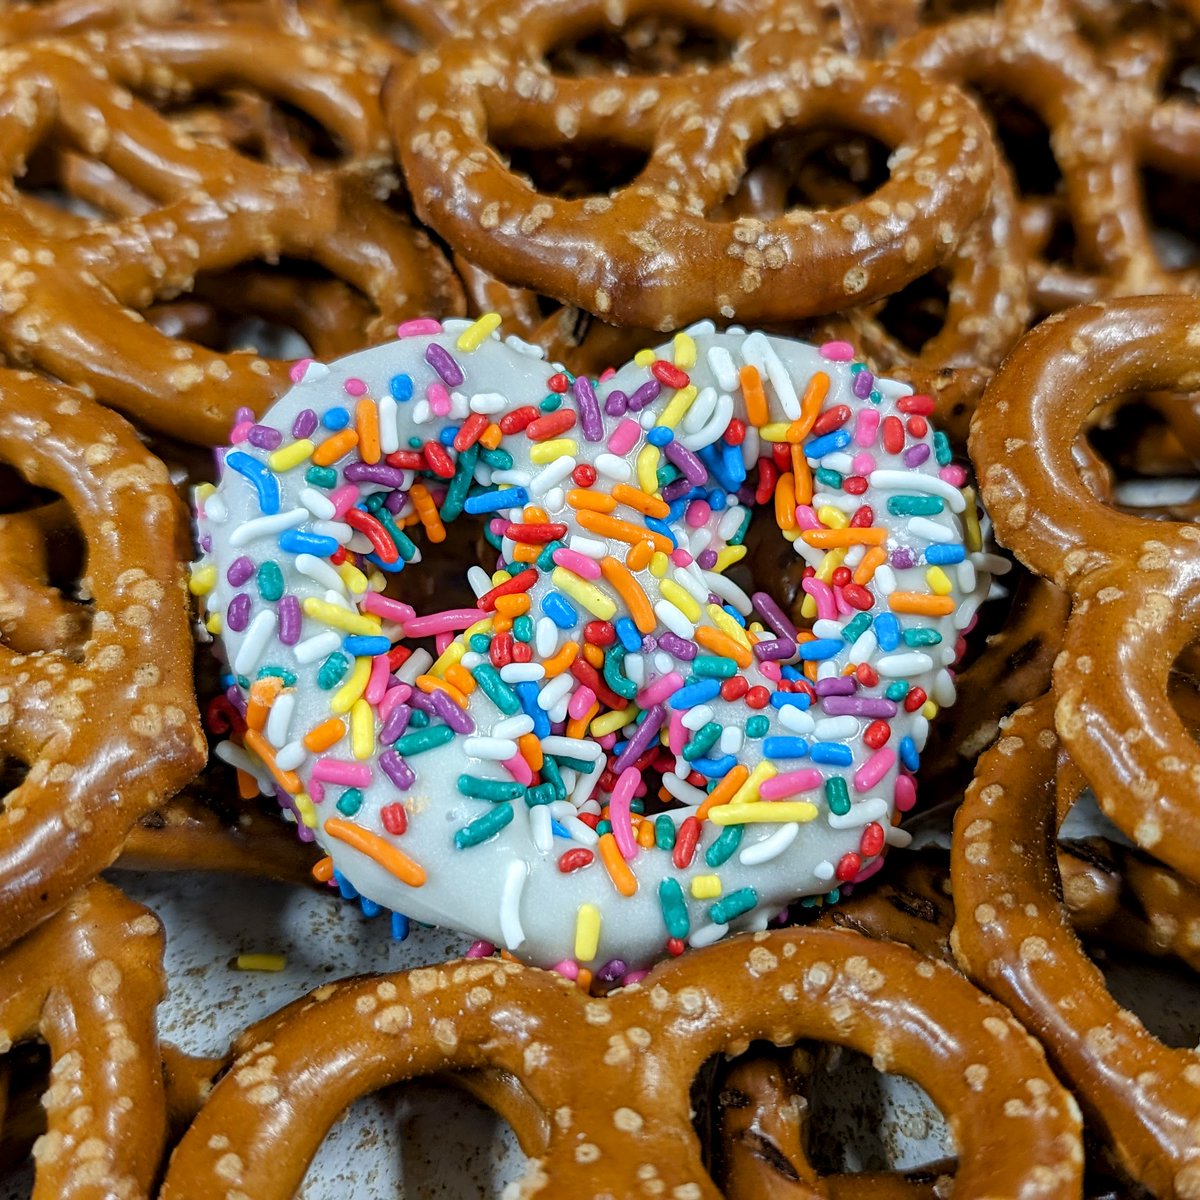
24	21
616	1098
630	256
106	728
1135	603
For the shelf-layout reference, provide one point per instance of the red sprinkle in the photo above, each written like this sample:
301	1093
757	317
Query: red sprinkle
734	688
758	697
668	374
599	633
917	426
781	452
515	421
573	859
848	866
338	556
221	717
522	652
406	460
854	484
866	675
379	537
558	382
858	597
916	404
696	779
831	419
591	820
538	534
876	734
470	431
768	477
686	838
397	656
735	432
841	576
864	517
584	672
675	947
893	435
394	818
439	460
551	425
584	475
501	649
872	839
915	698
521	582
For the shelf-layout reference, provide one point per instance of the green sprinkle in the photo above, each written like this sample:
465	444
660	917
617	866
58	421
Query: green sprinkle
834	896
375	501
243	682
713	666
522	628
702	741
941	449
480	642
270	580
414	443
496	690
722	849
484	827
733	905
322	477
855	628
637	805
837	795
921	637
674	909
875	397
490	789
897	691
915	506
332	670
829	479
404	544
664	834
551	403
424	739
349	802
287	677
758	726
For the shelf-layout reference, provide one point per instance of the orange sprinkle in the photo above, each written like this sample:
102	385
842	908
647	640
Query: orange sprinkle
366	421
577	726
871	562
618	869
502	623
594	655
589	501
645	835
462	679
431	683
721	643
263	694
826	539
257	744
490	437
322	870
513	606
583	981
320	737
810	403
756	400
785	501
561	660
526	552
810	672
373	846
623	531
652	506
638	558
334	446
631	592
724	791
803	476
427	512
530	746
535	514
921	604
248	787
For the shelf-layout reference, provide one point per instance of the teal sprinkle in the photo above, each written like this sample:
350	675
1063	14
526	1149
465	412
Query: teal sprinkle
243	682
418	720
545	560
480	642
414	443
484	827
732	906
603	827
758	726
875	397
350	801
743	529
921	637
582	765
522	628
332	671
493	539
464	475
322	477
897	690
915	506
713	666
723	848
702	741
428	738
496	690
834	896
828	478
664	833
375	501
554	778
637	805
855	368
941	449
837	795
614	658
288	678
855	628
665	474
404	544
674	908
498	460
490	789
552	403
543	793
270	580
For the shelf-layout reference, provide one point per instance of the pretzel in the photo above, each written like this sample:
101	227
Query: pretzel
630	256
617	1098
441	821
211	209
1013	938
88	982
1133	600
23	21
107	729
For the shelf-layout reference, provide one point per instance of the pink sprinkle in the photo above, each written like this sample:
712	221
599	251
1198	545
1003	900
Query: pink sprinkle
422	325
822	593
581	702
681	558
771	670
384	606
806	517
905	793
845	608
520	770
874	865
863	464
791	783
378	680
607	742
866	427
678	735
345	774
240	432
698	513
624	437
837	351
392	697
355	387
584	567
874	769
441	641
480	949
443	622
343	499
567	969
954	475
439	399
632	977
297	369
316	791
659	689
619	812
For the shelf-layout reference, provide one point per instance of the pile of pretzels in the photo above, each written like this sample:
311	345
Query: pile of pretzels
990	200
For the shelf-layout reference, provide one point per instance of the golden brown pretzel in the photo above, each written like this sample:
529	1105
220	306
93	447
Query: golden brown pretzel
23	20
106	729
613	1074
632	255
1012	937
211	209
1135	599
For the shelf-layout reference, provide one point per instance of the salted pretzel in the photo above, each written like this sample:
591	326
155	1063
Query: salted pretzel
1135	605
630	256
22	20
212	209
102	725
88	982
612	1075
1013	938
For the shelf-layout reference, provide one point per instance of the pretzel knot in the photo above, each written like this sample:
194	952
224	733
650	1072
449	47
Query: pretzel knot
612	1076
68	285
107	728
1013	937
1135	599
632	256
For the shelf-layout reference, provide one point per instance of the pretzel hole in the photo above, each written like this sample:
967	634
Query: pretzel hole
1025	140
59	179
574	170
645	45
1171	208
917	313
27	1067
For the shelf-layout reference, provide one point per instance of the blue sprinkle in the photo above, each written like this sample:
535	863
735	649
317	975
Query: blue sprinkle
489	502
348	890
943	554
832	754
887	631
675	511
737	616
399	927
839	439
714	768
265	482
718	500
784	747
369	907
659	526
401	387
820	648
527	692
627	631
363	646
735	468
908	753
296	541
392	568
660	435
558	831
800	700
700	692
336	418
447	435
793	674
562	612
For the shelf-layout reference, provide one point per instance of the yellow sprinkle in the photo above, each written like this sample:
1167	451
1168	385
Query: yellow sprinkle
551	451
939	581
678	406
484	626
353	578
832	518
726	624
659	563
344	698
706	887
683	600
830	563
774	431
685	351
929	710
362	730
610	722
260	962
587	932
974	535
341	618
748	792
790	535
727	557
291	455
377	581
643	358
808	607
453	654
202	491
214	624
500	576
587	594
647	469
471	339
777	812
202	580
306	810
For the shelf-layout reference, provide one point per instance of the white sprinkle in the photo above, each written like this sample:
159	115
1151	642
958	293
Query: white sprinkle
836	729
707	935
916	481
318	504
730	522
513	727
545	637
966	575
497	749
522	672
572	747
320	646
864	647
944	691
826	628
824	870
236	757
320	572
551	475
919	731
720	362
702	328
683	791
635	670
664	664
416	664
564	812
896	666
715	427
515	476
471	660
993	564
759	353
751	447
338	530
648	419
421	412
792	717
510	904
291	756
581	795
830	668
554	499
731	739
555	691
480	580
728	590
255	641
541	828
672	617
215	510
895	836
313	372
338	600
962	615
589	547
854	555
459	406
559	711
698	717
842	463
389	428
696	588
701	410
874	809
523	347
771	847
931	531
488	403
280	718
885	580
612	467
249	531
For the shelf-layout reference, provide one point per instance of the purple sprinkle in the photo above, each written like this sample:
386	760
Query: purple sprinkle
707	559
745	495
855	706
681	649
454	716
381	473
237	615
617	403
864	381
838	685
397	770
239	571
713	598
206	543
588	407
422	701
264	437
693	469
396	723
646	394
675	489
289	805
439	359
775	648
774	616
234	695
903	558
650	643
244	416
395	502
612	971
644	735
305	423
289	620
914	456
